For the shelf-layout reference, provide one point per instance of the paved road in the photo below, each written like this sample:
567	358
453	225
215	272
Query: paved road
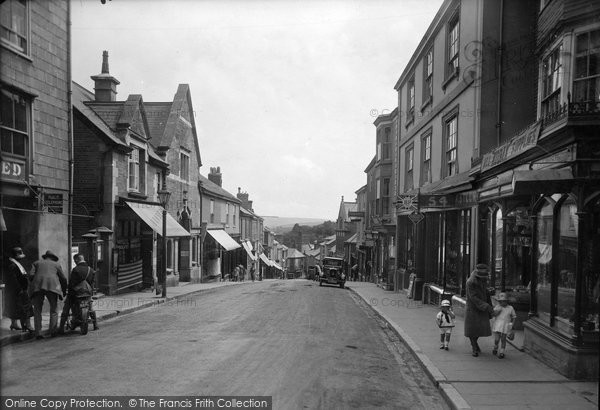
307	346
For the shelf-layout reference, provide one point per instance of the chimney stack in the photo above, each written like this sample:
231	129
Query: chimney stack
105	85
243	196
215	176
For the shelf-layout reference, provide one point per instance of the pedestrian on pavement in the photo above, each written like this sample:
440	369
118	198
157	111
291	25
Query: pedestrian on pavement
354	272
80	272
236	273
49	281
479	308
252	273
18	304
242	273
445	321
503	323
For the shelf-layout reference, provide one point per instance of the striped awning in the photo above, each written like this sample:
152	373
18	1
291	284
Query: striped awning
152	215
247	245
223	238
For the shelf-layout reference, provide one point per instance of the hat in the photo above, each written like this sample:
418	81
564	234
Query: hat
445	302
502	296
482	271
51	255
17	253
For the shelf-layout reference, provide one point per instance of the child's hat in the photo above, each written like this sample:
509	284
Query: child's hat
445	302
502	296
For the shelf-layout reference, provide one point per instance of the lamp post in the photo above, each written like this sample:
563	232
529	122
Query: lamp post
163	197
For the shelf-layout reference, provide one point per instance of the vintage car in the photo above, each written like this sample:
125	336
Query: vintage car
332	272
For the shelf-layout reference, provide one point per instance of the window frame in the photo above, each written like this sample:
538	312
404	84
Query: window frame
133	159
587	78
409	165
184	166
452	66
427	78
410	100
25	132
426	155
550	100
448	171
24	36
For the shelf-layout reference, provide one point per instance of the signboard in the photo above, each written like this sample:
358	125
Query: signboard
356	214
461	199
408	202
520	143
416	217
53	203
13	169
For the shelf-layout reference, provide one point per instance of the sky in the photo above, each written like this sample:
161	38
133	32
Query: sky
284	92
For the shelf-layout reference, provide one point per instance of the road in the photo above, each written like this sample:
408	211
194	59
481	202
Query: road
305	345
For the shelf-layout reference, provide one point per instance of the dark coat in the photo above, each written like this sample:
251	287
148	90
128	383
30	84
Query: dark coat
80	273
479	309
47	275
18	304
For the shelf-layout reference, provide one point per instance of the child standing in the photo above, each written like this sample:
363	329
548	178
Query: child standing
505	317
445	321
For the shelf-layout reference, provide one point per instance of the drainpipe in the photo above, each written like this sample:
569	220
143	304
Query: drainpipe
499	89
69	137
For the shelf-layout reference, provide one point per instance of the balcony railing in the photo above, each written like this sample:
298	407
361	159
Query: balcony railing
579	110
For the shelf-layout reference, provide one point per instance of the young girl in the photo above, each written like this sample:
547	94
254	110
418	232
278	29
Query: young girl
505	316
445	321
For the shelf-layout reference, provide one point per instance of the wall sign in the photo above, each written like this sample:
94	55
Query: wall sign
53	203
520	143
13	169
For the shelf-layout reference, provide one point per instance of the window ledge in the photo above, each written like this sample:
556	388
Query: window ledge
427	103
451	77
133	194
15	50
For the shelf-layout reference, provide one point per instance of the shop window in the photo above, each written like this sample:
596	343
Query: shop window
566	253
517	274
551	81
170	254
14	125
433	261
543	259
13	22
586	82
591	271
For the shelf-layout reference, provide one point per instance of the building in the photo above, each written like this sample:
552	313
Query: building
128	151
345	228
363	247
498	162
251	232
221	215
37	145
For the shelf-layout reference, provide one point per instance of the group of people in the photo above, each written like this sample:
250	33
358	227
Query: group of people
239	273
25	291
478	313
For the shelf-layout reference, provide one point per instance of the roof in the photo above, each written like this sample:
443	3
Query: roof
211	188
371	164
346	207
294	253
352	239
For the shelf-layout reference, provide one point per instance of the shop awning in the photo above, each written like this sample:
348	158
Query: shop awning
266	260
248	248
152	215
276	265
223	238
542	181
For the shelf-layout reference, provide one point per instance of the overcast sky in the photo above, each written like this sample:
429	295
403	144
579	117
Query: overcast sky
285	92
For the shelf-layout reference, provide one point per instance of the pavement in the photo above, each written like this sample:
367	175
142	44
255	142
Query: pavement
518	381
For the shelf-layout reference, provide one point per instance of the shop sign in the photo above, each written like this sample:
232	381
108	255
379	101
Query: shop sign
13	169
520	143
356	214
53	203
416	217
458	200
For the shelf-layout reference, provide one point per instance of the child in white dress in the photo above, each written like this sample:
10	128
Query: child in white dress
503	323
445	321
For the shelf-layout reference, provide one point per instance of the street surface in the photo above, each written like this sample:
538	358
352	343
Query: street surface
305	345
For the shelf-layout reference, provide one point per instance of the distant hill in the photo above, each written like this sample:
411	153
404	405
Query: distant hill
284	223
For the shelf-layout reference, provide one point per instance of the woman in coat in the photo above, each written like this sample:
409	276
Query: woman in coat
479	309
18	304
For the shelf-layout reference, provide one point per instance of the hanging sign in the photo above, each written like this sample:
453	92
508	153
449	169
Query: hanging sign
416	217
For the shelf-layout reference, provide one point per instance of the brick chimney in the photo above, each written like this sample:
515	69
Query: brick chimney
215	176
243	196
105	85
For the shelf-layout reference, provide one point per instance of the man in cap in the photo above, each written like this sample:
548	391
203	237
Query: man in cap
49	281
479	309
80	272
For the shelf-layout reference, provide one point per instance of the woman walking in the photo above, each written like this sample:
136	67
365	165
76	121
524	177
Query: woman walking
18	304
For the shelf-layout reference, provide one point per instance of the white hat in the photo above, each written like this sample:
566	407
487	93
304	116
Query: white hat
445	302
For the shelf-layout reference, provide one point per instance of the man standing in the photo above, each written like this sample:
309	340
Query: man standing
79	273
479	309
47	280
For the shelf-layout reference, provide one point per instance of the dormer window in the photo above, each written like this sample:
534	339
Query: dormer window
136	180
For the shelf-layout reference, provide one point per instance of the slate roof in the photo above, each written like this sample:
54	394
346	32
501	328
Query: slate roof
294	254
214	189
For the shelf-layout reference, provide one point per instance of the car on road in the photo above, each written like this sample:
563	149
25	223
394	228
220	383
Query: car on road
332	272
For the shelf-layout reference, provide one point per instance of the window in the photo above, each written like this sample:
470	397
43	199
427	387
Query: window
386	196
386	143
14	125
426	155
409	163
227	213
453	46
137	170
410	97
450	131
184	163
13	23
212	211
234	212
428	78
551	81
379	150
586	83
378	198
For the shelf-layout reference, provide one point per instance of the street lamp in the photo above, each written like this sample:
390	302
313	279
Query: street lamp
163	198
